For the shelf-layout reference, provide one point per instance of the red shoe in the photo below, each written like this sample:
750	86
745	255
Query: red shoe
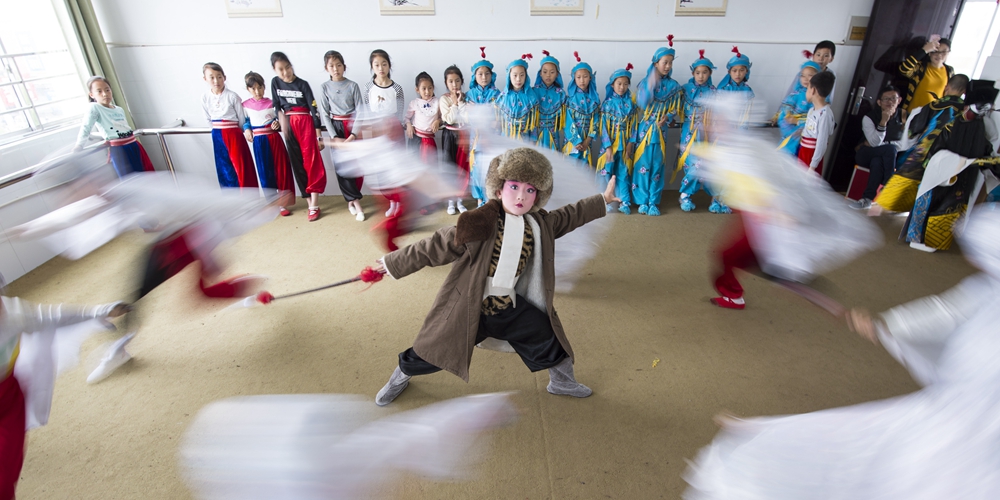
729	303
313	214
284	212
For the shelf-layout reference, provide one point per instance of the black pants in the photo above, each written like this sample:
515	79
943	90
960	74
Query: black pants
525	327
881	164
350	187
295	161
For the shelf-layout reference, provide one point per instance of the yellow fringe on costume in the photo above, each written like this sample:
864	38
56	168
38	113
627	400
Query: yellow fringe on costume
515	128
694	138
939	233
899	194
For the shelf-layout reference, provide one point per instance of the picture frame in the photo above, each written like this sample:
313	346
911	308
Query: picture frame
701	8
406	7
254	8
556	7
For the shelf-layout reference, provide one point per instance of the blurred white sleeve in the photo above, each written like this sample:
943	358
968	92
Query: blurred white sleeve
934	318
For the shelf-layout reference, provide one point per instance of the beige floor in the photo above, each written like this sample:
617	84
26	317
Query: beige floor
645	297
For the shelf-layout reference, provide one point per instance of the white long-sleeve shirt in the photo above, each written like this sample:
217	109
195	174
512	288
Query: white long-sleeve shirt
873	134
225	106
453	113
111	123
819	126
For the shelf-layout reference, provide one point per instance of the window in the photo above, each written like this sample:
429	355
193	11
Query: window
40	86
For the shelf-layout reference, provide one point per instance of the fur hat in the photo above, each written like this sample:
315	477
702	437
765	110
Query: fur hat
521	165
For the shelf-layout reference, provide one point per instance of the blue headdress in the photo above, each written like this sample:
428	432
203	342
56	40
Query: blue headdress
522	63
573	89
702	61
737	60
808	64
626	72
545	60
482	63
652	79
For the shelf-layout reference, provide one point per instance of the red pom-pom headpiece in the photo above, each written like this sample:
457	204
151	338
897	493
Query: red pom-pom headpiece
576	55
628	67
482	50
670	40
809	55
737	51
701	53
526	56
545	52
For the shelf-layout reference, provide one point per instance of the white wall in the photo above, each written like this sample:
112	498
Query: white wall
159	47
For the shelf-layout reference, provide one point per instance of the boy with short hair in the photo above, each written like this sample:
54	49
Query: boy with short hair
823	55
819	122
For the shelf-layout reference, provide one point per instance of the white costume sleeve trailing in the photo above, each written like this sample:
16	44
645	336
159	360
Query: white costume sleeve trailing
934	318
46	347
20	316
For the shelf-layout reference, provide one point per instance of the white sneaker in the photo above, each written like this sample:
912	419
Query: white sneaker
115	357
461	208
451	207
862	204
350	208
360	217
922	247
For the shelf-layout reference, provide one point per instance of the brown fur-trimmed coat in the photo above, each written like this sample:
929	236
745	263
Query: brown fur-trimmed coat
448	336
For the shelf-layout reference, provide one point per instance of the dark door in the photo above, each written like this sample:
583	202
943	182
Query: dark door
895	29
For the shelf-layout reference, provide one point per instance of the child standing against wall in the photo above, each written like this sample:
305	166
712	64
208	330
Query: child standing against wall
618	129
224	110
454	136
551	98
693	131
791	115
293	97
338	102
819	123
384	99
483	91
737	76
660	101
127	153
582	121
423	117
261	128
517	105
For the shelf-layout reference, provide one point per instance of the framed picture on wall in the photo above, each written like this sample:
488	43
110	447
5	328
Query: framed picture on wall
406	7
557	7
253	8
701	8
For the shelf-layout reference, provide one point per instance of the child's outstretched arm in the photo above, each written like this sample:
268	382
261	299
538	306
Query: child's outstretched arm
22	316
436	250
569	217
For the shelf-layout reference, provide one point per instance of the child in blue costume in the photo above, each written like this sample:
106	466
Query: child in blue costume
517	105
551	98
693	131
660	101
582	120
794	109
736	81
618	127
482	90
